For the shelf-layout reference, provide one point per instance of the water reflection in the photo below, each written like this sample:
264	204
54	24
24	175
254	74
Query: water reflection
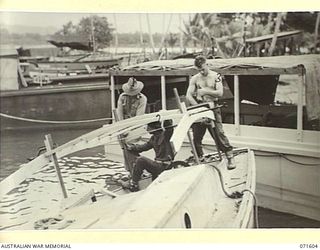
40	195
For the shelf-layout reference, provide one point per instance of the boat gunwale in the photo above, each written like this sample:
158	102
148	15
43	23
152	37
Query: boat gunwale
243	215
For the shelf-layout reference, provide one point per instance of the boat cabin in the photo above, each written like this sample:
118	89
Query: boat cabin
8	69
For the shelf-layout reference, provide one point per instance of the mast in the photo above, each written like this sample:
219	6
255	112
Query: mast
165	35
181	34
92	36
141	38
116	33
150	34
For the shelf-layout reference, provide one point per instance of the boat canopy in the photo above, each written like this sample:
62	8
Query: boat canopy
38	51
306	66
280	35
72	45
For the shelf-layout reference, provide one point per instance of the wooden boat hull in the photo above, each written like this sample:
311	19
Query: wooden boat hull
190	197
78	66
56	103
198	196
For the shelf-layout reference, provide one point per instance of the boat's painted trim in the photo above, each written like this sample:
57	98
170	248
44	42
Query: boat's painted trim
275	140
54	89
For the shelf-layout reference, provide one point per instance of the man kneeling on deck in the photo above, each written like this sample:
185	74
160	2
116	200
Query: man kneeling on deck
160	142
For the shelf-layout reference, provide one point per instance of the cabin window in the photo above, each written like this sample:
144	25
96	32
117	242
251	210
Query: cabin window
152	89
268	101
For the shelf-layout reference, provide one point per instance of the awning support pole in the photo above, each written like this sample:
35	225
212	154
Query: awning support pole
301	85
113	95
236	105
163	92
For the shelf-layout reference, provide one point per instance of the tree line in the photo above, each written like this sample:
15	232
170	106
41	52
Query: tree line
224	31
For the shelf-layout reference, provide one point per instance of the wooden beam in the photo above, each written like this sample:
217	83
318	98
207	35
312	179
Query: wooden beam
189	117
53	90
163	92
49	146
113	95
183	109
301	85
236	104
230	71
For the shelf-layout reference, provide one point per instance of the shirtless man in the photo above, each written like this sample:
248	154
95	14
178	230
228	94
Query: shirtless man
206	86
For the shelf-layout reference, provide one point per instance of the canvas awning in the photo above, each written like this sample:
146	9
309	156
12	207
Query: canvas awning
72	45
276	65
280	35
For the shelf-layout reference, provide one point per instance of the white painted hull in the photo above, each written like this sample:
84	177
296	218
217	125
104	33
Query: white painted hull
282	184
189	197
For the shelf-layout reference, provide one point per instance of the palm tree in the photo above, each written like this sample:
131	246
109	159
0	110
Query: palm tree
172	40
209	30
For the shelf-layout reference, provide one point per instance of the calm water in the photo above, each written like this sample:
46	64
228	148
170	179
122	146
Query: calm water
18	146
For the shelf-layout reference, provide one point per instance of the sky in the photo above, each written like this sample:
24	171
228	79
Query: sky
123	22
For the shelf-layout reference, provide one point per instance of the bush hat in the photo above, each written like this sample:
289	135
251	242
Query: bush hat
153	126
132	87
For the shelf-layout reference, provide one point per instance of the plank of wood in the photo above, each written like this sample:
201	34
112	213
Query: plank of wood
95	138
49	146
185	123
230	71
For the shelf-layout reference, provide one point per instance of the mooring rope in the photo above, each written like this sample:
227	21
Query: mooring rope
288	159
255	199
53	122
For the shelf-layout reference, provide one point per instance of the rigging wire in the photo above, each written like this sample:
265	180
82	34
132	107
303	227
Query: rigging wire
52	122
280	155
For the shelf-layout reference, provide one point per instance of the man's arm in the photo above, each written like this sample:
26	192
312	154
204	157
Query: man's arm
140	148
210	91
191	90
141	110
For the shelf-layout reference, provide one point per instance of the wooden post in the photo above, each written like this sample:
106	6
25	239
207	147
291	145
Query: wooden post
163	93
123	145
316	32
275	34
236	105
258	46
49	146
113	95
301	85
41	78
183	109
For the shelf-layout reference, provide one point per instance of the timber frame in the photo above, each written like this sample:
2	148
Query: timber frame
282	185
234	71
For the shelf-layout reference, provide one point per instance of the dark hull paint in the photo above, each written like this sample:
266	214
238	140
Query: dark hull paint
56	103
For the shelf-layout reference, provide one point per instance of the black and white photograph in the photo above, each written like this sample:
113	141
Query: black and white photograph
140	121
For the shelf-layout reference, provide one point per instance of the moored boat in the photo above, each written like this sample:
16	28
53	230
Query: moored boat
79	100
196	196
272	106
